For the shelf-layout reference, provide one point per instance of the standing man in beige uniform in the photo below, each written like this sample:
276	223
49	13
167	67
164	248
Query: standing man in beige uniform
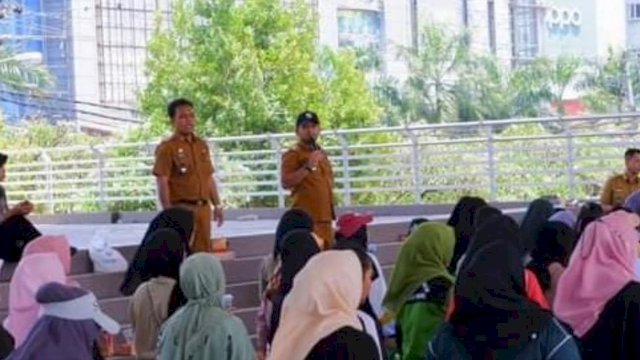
307	172
184	174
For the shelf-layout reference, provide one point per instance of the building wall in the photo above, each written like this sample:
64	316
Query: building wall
41	27
611	26
633	26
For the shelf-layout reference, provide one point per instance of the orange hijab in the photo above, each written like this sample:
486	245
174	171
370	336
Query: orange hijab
324	298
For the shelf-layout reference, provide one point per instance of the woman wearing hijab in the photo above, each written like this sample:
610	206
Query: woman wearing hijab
482	215
15	230
300	224
294	219
419	286
56	244
462	221
320	317
589	212
352	234
32	272
157	299
299	246
538	213
69	326
178	219
201	329
566	217
599	295
510	232
494	319
550	256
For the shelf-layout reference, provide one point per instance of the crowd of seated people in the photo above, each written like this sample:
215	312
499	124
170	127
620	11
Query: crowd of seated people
560	284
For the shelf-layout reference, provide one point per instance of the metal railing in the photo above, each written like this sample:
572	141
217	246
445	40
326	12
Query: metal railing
499	160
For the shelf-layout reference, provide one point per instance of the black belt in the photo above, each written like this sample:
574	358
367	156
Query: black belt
194	202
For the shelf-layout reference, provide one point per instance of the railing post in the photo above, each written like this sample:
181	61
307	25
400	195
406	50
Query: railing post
571	171
491	162
149	149
218	174
346	170
46	159
416	169
277	147
99	154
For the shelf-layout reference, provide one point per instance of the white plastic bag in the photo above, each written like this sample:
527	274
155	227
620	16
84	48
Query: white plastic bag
105	258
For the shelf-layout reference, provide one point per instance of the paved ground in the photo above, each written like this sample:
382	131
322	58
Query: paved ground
80	235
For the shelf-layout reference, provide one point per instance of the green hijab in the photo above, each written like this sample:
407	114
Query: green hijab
425	255
201	329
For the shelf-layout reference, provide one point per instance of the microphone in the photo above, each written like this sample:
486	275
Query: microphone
314	144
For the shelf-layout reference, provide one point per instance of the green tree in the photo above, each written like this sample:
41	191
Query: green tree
609	83
434	67
250	68
558	75
18	74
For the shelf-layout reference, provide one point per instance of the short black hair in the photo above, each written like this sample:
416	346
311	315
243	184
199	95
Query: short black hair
173	106
630	152
3	159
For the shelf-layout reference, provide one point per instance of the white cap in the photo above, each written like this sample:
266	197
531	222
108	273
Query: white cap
83	308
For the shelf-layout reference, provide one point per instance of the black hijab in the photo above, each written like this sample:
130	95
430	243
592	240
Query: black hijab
507	231
177	219
462	221
484	214
415	223
293	219
162	256
297	248
589	212
554	243
493	317
3	159
537	214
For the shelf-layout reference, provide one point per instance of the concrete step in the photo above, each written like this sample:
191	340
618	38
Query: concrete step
245	301
243	247
241	274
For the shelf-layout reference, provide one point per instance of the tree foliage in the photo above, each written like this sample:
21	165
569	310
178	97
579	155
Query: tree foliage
17	74
250	67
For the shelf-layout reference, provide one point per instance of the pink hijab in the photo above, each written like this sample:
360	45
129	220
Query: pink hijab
52	244
601	265
32	272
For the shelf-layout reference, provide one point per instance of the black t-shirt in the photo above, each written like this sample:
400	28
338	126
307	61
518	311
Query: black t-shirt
346	343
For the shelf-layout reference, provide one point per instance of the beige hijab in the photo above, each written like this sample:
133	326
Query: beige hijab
324	298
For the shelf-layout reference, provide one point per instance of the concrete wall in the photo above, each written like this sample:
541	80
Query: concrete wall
633	28
611	26
249	214
603	25
85	53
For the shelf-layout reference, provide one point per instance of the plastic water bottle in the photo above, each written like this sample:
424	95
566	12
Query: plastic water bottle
227	301
372	248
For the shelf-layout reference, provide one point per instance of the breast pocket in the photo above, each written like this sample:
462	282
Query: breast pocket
204	161
182	164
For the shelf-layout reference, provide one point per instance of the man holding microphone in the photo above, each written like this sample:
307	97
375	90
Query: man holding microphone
306	171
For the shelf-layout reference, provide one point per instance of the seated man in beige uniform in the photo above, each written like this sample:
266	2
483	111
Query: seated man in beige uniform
619	187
